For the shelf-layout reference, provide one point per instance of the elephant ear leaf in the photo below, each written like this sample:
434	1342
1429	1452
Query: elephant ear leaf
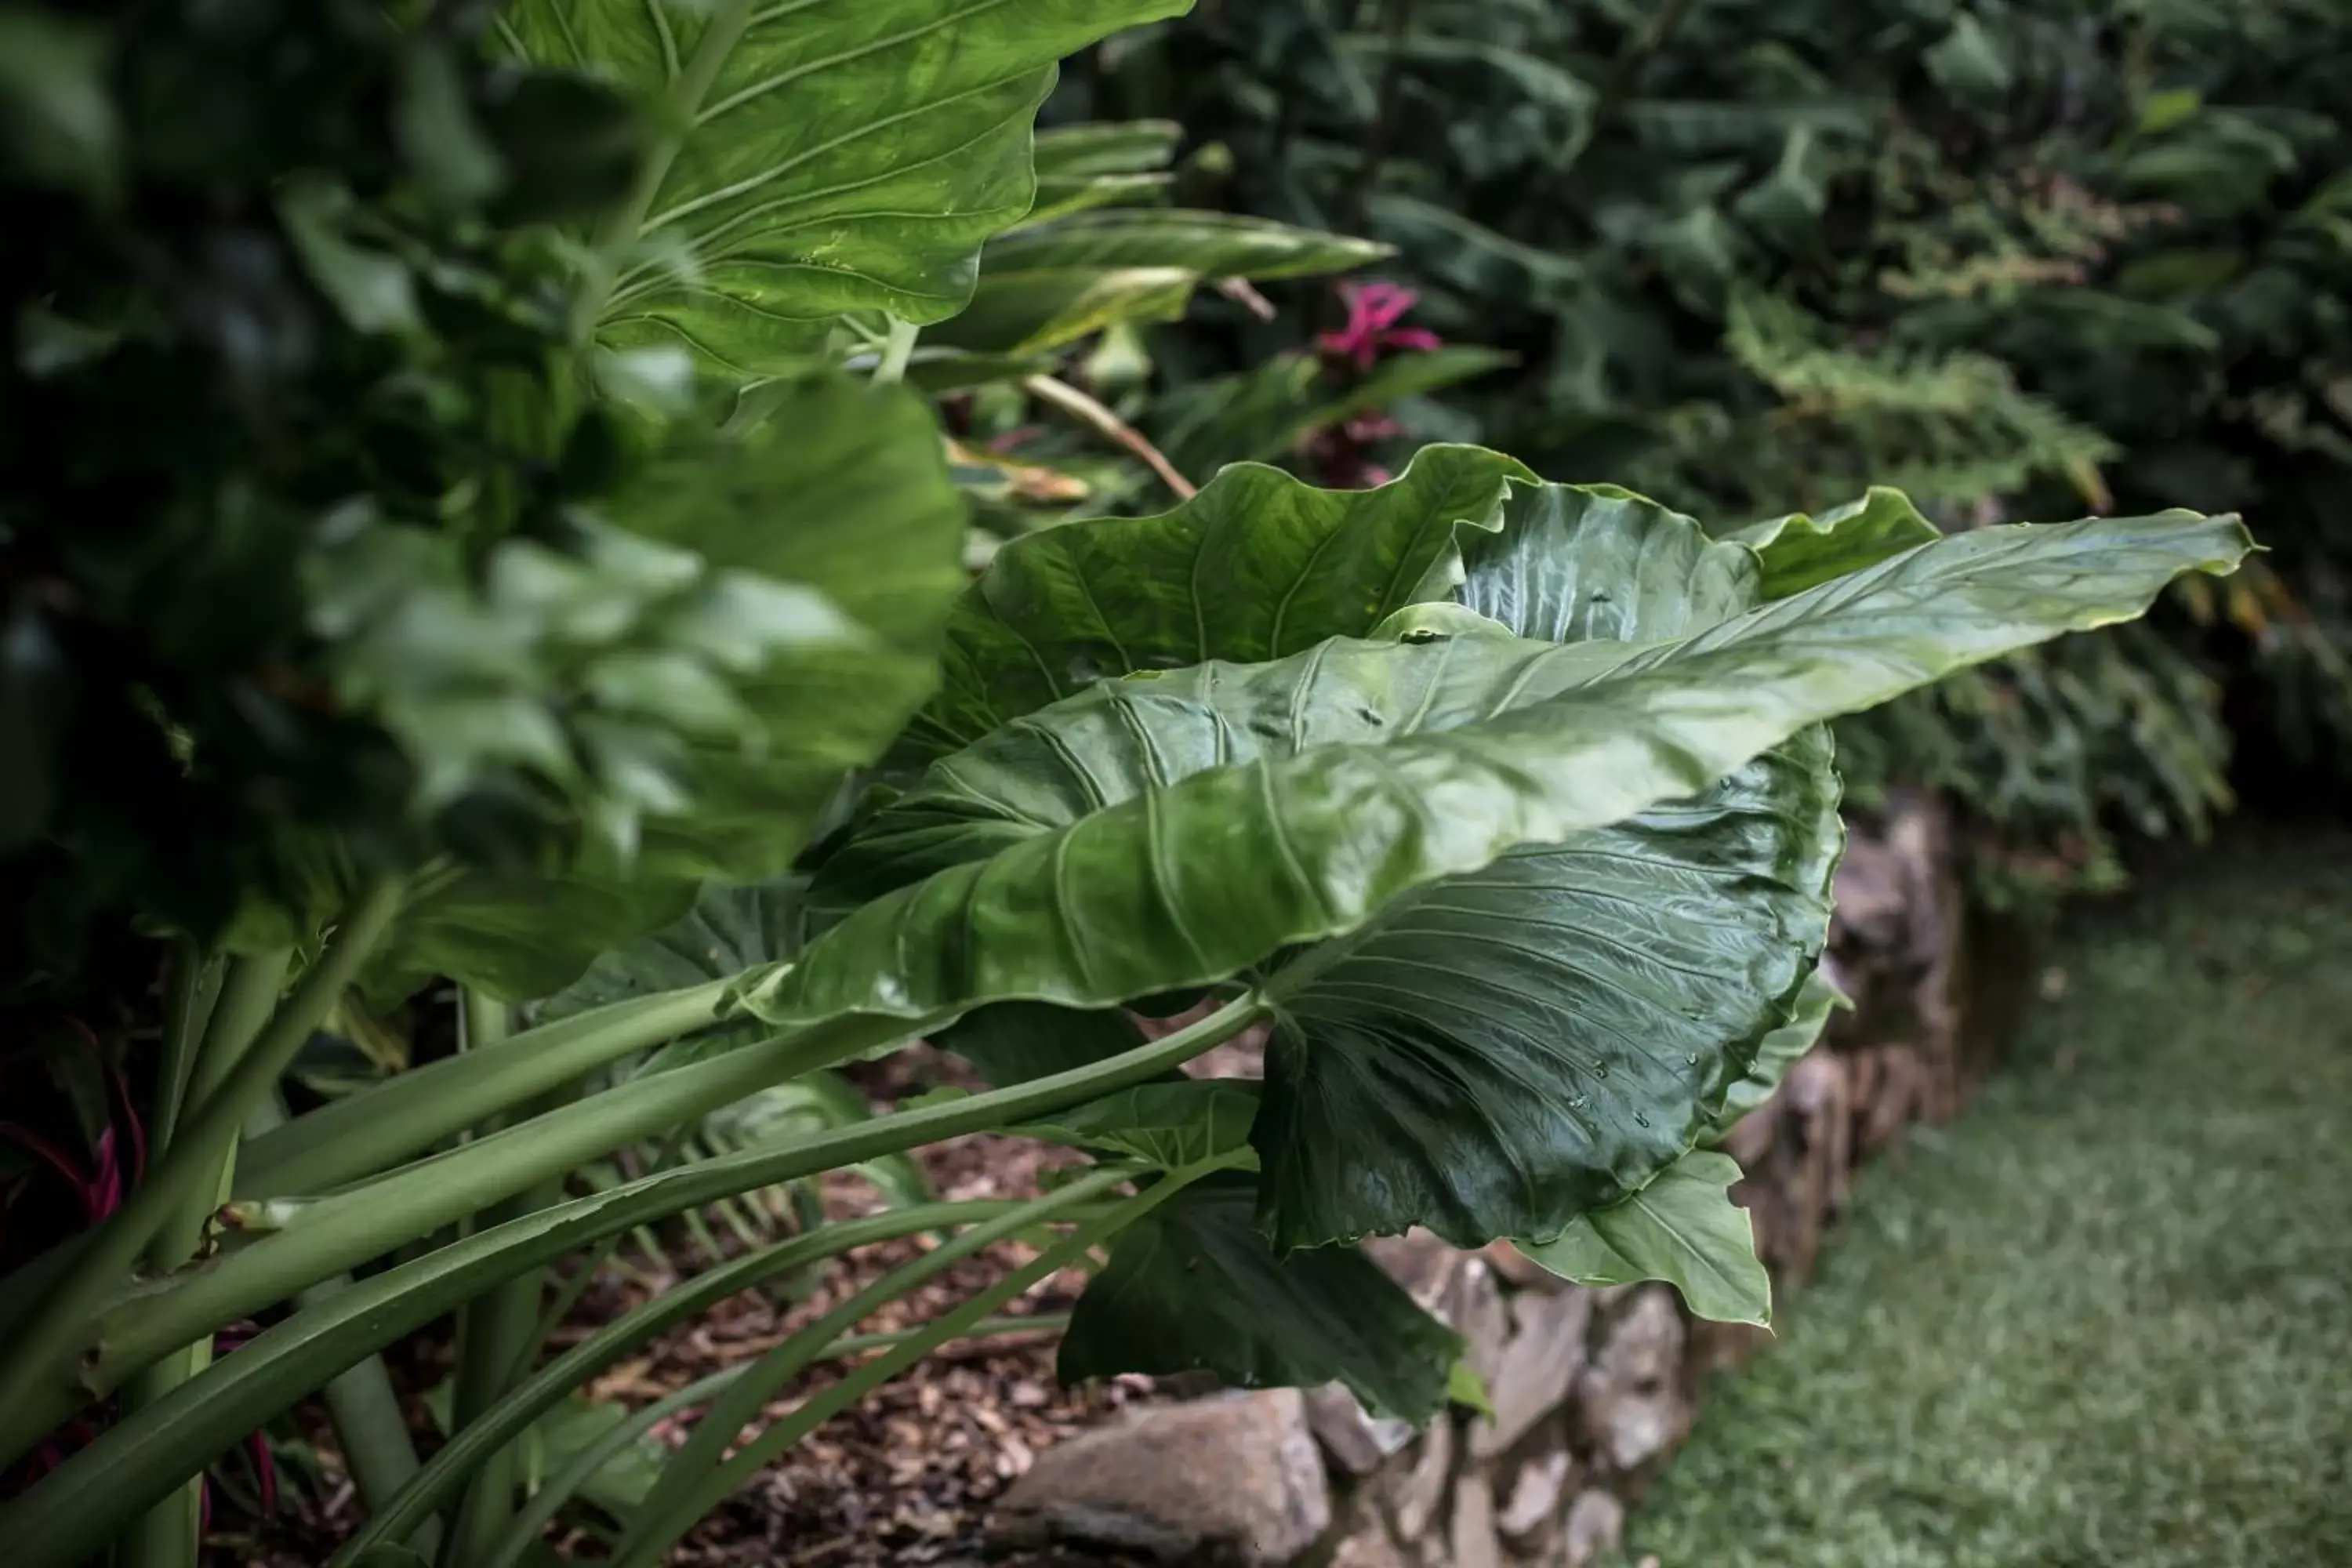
1798	552
1682	1228
1195	1287
1365	827
1259	565
820	159
1780	1051
1585	562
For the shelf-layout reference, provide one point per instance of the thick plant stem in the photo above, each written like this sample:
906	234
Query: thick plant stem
494	1333
194	1067
207	1132
895	352
369	1426
136	1461
659	1524
188	1000
1092	414
373	1131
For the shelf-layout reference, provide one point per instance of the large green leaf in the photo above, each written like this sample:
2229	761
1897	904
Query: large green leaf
1172	830
1257	565
1799	551
1579	563
1682	1228
1497	1050
1193	1286
1780	1051
824	157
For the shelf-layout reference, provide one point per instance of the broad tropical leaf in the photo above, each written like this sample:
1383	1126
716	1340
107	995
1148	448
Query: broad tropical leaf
1780	1051
1581	562
1036	312
1312	795
824	158
1799	551
1682	1228
1257	565
1194	1286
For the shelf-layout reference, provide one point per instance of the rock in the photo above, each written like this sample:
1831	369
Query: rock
1352	1439
1417	1260
1368	1547
1630	1396
1596	1522
1898	1096
1518	1271
1472	1537
1534	1498
1535	1373
1234	1479
1421	1489
1474	1305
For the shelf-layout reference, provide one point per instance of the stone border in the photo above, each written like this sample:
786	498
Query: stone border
1591	1388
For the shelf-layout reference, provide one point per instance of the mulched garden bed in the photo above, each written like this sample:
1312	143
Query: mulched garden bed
905	1476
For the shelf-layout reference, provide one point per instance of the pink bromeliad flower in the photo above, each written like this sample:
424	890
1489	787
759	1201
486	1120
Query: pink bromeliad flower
1373	311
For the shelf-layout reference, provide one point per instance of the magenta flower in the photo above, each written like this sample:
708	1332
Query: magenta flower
1373	311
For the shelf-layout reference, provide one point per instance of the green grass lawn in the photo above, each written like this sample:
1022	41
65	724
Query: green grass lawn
2105	1320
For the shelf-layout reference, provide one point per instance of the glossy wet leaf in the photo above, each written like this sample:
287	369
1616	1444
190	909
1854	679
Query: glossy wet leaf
1799	551
1682	1228
826	158
1781	1051
1193	1286
1577	562
1257	565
